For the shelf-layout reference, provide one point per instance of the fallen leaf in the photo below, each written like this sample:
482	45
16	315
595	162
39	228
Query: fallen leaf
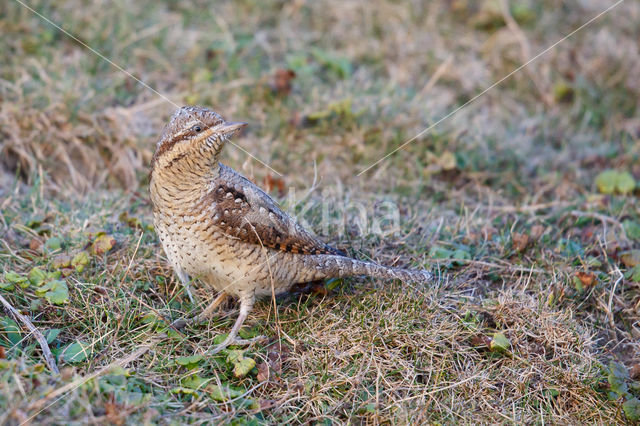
263	372
190	362
282	81
37	276
194	382
242	365
480	340
53	244
55	291
631	408
632	229
499	343
35	244
11	330
114	412
271	182
77	351
102	244
520	241
223	393
586	278
266	404
537	231
80	260
630	258
611	181
634	372
61	261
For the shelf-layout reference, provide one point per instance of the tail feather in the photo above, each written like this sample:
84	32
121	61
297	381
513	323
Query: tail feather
339	266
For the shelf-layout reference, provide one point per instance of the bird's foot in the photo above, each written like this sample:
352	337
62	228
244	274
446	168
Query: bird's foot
235	341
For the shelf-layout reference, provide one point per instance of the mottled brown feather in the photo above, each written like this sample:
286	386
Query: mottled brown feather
252	217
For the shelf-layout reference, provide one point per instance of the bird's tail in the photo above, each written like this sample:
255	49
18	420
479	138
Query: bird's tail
339	266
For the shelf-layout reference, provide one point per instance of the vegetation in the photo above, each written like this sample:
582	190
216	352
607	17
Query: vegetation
525	203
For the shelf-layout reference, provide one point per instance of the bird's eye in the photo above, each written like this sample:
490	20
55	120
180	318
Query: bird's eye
197	129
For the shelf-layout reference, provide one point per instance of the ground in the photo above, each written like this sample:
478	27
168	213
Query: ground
524	203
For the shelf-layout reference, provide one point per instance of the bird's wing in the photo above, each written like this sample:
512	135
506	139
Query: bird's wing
244	211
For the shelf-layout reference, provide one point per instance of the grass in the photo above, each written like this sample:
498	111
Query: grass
534	317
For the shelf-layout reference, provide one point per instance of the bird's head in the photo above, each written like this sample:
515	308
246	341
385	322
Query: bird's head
194	134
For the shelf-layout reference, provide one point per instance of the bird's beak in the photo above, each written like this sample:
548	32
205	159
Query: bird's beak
230	127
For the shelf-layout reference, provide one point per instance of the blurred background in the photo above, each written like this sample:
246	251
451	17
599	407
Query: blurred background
338	83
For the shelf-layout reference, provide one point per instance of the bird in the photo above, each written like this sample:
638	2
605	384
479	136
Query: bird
219	227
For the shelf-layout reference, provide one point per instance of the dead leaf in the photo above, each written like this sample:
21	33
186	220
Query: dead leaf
298	387
537	231
281	83
113	412
520	241
271	182
586	278
2	354
62	261
102	244
263	372
35	244
265	404
630	258
634	372
481	340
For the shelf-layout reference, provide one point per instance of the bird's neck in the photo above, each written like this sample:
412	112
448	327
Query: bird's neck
182	181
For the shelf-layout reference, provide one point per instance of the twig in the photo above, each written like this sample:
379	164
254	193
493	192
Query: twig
48	356
612	322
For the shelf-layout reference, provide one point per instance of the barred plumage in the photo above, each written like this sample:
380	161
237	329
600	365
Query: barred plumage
216	225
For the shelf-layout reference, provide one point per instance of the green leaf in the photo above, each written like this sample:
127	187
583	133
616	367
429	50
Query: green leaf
632	229
617	378
6	286
51	334
77	351
223	393
11	330
185	391
437	252
55	292
35	221
339	65
499	343
633	274
190	362
15	278
80	260
37	276
53	244
611	181
625	184
631	409
194	382
241	365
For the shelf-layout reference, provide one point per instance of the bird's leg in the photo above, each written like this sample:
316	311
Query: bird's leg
222	296
246	304
184	279
180	323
